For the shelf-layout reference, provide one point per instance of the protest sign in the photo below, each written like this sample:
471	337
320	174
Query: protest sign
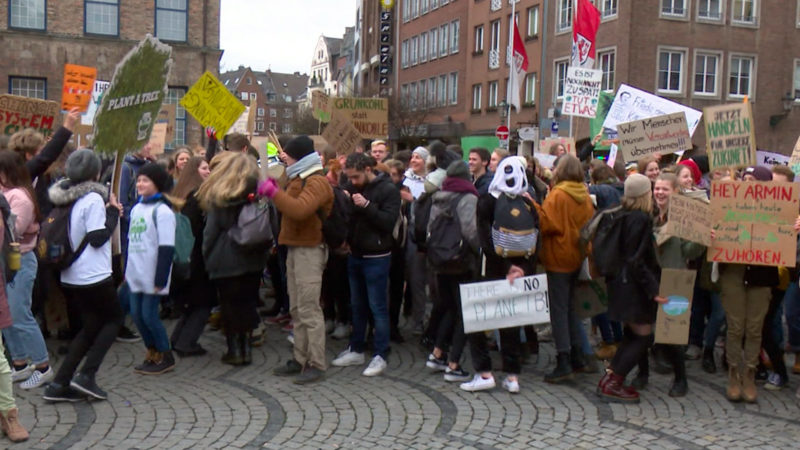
82	135
158	139
546	160
590	298
240	126
320	106
730	136
794	160
251	120
212	104
754	222
370	116
129	108
167	115
18	113
596	124
689	219
77	87
633	104
672	318
660	134
341	134
764	158
581	92
613	152
548	145
100	87
490	305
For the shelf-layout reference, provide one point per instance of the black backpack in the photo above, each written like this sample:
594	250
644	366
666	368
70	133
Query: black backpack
515	228
606	233
54	248
422	215
335	225
447	252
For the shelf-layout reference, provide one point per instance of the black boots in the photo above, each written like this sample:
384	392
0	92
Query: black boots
563	370
708	361
234	356
247	348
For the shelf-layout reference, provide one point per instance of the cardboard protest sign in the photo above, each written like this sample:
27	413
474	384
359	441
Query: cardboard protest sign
158	139
77	87
82	136
167	115
581	92
660	134
370	116
672	318
129	108
730	136
689	219
548	145
633	104
546	160
764	158
100	87
341	134
240	125
754	222
251	120
490	305
596	124
210	102
794	160
320	106
18	113
590	298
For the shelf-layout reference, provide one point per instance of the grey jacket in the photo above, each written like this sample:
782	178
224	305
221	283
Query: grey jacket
466	211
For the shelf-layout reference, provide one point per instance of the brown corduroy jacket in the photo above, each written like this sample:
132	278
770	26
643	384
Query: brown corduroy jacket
302	204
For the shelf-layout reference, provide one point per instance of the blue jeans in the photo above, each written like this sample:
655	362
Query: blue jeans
791	305
715	321
24	338
610	331
124	295
144	310
369	279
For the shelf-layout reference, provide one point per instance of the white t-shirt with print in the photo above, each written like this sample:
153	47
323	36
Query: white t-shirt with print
94	264
144	238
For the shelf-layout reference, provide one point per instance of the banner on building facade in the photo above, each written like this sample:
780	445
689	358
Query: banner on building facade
730	136
490	305
18	113
211	104
655	135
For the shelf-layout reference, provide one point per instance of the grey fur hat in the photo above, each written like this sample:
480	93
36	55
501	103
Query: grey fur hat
82	165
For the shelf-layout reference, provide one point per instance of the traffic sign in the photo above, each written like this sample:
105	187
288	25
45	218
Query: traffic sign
501	132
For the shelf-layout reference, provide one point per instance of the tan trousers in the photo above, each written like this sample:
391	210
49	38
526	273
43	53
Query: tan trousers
304	267
745	309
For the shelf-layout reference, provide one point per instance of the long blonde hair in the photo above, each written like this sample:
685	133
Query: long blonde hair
232	177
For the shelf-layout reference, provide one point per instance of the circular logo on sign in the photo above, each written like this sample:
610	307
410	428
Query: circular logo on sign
676	305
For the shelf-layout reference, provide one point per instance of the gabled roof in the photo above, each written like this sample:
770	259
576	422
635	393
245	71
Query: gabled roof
291	84
334	45
232	78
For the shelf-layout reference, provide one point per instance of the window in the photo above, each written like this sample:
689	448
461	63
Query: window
608	8
709	9
434	40
454	88
533	21
421	94
442	96
796	80
406	10
479	39
477	93
414	9
412	96
530	89
273	126
493	94
494	43
174	96
744	11
404	53
443	41
454	32
287	128
434	4
608	63
243	95
560	76
287	113
432	92
670	71
29	14
563	15
171	20
271	97
424	6
253	96
260	112
404	93
101	17
423	47
673	8
28	87
260	126
742	72
414	46
706	67
273	112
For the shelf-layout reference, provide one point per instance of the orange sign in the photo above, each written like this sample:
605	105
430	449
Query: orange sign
78	84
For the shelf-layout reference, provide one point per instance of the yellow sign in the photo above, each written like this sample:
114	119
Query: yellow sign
212	104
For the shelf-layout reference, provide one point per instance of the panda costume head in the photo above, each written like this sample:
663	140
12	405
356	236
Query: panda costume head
510	177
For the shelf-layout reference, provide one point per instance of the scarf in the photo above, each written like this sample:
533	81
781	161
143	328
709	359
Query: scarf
510	177
452	184
576	190
306	165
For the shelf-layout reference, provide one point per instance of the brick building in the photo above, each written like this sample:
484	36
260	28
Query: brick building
37	37
699	53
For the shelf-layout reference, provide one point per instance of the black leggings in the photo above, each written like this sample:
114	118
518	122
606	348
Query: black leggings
336	289
397	283
673	353
451	326
238	297
630	351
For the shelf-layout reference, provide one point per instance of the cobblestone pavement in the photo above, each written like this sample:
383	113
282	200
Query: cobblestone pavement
205	404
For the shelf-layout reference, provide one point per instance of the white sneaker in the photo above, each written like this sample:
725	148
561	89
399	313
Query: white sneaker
511	386
329	326
38	378
342	331
348	358
23	374
290	337
478	384
375	367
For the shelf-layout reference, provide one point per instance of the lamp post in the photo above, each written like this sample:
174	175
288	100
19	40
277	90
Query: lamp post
787	102
503	109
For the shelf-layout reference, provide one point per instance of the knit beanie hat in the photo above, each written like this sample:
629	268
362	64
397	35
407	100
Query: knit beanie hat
82	165
157	175
637	185
299	147
697	175
760	173
422	152
459	169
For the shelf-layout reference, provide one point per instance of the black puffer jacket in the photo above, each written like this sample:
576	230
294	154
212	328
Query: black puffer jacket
225	258
371	228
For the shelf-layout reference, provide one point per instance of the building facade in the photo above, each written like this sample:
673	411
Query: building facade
696	52
324	64
37	37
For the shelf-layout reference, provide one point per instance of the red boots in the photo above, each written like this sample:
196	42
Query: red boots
612	387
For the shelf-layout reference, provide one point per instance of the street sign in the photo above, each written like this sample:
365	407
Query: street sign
529	133
502	132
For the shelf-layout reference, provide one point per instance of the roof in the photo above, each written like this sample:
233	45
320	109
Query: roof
334	45
291	84
232	78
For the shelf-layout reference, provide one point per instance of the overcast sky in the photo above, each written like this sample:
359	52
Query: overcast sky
279	34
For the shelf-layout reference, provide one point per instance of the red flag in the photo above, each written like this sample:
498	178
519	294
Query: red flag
584	30
519	67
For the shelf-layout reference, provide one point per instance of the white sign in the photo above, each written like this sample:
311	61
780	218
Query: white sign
581	90
491	305
529	133
771	159
612	155
99	88
545	159
240	126
634	104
